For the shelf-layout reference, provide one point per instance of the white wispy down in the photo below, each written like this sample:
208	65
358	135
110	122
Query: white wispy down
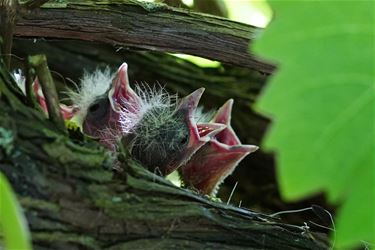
92	85
151	101
20	79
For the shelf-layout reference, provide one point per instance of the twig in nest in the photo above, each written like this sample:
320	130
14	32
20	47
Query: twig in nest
39	63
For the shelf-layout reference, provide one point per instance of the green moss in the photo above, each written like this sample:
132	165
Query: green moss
152	7
6	140
94	175
38	204
68	153
86	241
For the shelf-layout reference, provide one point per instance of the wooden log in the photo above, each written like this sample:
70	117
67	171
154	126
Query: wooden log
144	25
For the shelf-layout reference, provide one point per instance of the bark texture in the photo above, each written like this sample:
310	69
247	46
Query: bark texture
145	26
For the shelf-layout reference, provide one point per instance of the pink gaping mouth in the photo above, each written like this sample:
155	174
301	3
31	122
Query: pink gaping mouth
217	159
199	134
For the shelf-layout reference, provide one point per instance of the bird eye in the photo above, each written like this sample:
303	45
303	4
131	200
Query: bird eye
184	140
99	109
94	107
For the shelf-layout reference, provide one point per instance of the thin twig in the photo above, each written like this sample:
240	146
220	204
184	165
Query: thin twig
39	63
290	211
231	193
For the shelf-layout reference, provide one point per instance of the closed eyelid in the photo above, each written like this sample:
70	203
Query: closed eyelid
99	108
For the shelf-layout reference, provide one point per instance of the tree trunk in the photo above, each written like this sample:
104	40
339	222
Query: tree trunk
70	194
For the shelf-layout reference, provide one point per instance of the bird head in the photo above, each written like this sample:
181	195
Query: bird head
96	104
162	134
218	158
100	114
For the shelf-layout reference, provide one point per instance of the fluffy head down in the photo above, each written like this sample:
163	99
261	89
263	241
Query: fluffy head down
93	85
156	131
151	101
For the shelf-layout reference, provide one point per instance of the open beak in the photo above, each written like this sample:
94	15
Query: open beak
104	121
101	119
217	159
66	111
199	134
121	93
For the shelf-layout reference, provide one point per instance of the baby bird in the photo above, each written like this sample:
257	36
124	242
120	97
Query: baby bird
97	104
218	158
161	131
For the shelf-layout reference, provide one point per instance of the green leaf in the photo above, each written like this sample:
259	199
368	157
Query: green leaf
321	100
12	222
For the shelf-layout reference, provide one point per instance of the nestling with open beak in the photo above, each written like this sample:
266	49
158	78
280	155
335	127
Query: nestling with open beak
218	158
162	132
97	104
159	130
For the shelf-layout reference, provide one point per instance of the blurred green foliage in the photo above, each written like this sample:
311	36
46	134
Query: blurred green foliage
13	225
253	12
321	100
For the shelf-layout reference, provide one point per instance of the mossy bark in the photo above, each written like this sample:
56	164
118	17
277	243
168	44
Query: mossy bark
143	25
73	199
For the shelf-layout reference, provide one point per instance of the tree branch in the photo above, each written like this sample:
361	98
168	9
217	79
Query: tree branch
39	63
8	11
145	26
